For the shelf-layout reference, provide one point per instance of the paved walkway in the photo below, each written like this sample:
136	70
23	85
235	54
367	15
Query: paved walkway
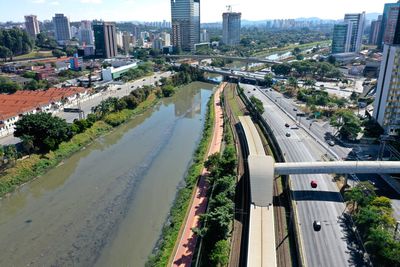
187	242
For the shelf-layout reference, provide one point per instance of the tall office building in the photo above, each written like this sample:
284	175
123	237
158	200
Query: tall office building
62	28
185	23
231	28
358	24
375	30
389	22
126	41
166	38
387	100
341	37
32	25
105	39
85	33
204	36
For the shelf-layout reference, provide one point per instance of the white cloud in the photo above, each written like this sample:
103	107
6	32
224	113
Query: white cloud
55	3
39	1
91	1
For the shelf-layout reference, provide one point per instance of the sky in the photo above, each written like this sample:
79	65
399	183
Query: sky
158	10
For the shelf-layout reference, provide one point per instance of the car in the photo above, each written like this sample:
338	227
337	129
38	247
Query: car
331	143
119	88
287	134
287	125
317	225
294	127
294	109
144	79
313	184
254	89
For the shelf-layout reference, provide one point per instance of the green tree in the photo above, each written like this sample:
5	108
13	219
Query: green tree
347	123
257	104
268	79
168	90
45	131
293	82
5	53
58	53
220	254
282	69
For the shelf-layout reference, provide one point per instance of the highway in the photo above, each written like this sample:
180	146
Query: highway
322	131
333	245
94	100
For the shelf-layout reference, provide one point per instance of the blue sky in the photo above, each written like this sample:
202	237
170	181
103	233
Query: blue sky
158	10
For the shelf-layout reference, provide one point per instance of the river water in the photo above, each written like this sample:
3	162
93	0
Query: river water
105	206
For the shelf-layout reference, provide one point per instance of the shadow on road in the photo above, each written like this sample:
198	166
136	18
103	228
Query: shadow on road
312	195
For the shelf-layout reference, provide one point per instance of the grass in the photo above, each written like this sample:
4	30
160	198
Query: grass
232	102
34	54
170	231
269	51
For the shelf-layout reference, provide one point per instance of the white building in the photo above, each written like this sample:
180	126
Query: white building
111	73
204	36
387	99
166	39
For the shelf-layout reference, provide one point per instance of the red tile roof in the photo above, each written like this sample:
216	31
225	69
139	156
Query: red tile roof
25	101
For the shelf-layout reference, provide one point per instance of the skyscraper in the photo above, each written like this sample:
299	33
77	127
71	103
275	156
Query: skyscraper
231	28
358	24
185	23
62	28
389	22
32	25
126	41
105	39
341	37
375	30
85	33
387	100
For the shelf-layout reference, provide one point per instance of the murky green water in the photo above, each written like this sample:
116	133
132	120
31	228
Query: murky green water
106	205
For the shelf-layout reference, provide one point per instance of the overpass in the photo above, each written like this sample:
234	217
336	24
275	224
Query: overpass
341	167
233	58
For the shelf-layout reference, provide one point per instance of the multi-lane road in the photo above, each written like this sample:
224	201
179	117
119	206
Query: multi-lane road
334	245
86	105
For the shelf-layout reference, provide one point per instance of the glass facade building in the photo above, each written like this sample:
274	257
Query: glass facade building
231	23
185	24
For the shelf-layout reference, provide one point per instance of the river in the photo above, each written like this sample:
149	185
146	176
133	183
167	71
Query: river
105	206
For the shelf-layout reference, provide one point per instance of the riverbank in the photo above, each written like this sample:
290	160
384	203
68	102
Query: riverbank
35	165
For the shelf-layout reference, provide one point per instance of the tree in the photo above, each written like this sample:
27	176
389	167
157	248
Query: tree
257	104
45	131
58	53
293	82
220	254
309	83
347	123
332	60
268	79
282	69
168	90
5	53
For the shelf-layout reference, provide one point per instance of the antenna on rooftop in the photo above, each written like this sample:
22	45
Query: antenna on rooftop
229	8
